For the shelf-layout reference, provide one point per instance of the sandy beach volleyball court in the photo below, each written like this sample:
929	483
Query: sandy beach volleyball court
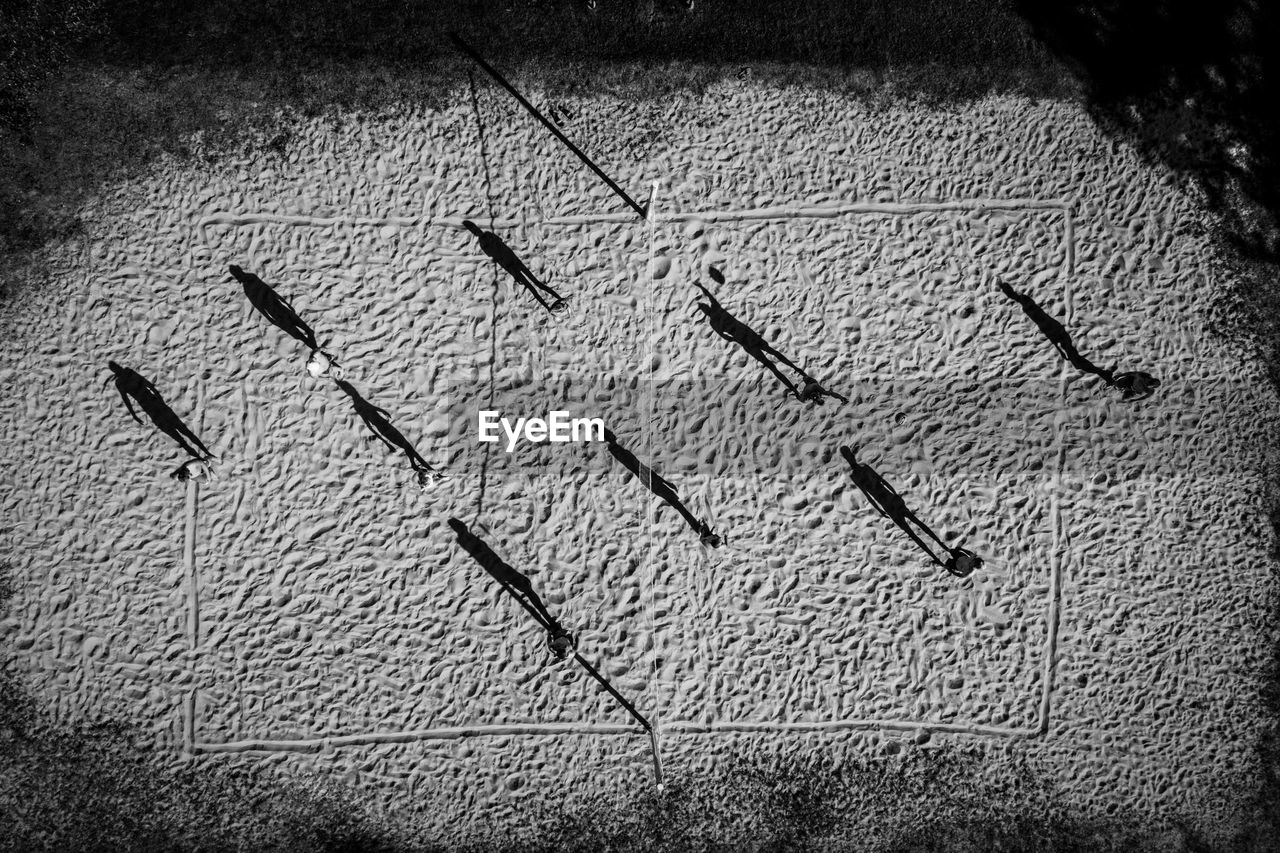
309	614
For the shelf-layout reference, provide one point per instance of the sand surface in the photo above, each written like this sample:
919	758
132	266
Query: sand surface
311	609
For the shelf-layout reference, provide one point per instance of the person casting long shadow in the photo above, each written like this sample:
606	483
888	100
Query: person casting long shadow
734	330
516	584
281	313
655	483
378	423
885	500
1056	333
493	246
134	387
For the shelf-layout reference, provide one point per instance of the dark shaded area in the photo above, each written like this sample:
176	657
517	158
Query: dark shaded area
919	801
99	787
1193	86
133	386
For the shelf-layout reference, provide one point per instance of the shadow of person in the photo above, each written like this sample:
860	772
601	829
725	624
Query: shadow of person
885	500
133	387
735	331
379	425
493	246
1134	385
517	585
659	486
1056	333
275	307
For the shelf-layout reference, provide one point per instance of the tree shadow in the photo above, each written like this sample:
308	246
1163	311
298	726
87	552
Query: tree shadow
133	387
1190	85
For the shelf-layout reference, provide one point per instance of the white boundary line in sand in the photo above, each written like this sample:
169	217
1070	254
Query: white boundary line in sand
193	745
646	279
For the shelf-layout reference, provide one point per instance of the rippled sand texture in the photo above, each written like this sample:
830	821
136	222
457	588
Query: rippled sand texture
326	604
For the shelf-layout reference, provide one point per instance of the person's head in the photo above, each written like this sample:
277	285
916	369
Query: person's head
849	454
236	271
609	436
458	527
472	227
962	563
716	275
706	309
182	473
561	642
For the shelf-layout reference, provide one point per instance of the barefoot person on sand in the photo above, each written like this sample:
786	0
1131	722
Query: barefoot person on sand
322	364
134	387
885	500
493	246
281	314
559	640
1136	385
194	469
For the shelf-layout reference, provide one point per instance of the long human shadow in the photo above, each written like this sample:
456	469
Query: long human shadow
503	255
377	420
515	582
884	499
278	310
1134	385
733	330
657	484
1056	333
518	586
134	387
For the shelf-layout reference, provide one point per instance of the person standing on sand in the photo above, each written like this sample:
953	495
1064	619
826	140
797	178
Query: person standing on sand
661	488
377	421
885	500
322	364
1133	385
194	469
493	246
281	313
133	386
1136	385
559	641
